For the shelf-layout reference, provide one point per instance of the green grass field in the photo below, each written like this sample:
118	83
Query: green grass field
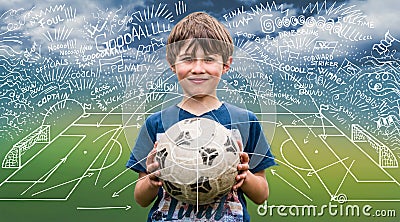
80	175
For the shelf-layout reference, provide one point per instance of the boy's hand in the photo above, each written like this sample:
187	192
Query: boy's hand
242	168
152	168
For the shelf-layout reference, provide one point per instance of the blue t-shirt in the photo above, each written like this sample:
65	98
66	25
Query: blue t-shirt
231	207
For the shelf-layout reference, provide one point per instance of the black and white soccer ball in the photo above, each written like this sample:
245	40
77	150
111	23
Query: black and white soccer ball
198	160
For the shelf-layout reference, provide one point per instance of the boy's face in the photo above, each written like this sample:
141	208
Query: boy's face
199	73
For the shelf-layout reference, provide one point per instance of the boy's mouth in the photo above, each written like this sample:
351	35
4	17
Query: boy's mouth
197	80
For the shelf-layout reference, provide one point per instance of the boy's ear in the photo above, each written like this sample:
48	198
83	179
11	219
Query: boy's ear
227	65
172	68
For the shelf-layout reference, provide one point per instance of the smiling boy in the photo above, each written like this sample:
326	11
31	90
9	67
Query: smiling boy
199	52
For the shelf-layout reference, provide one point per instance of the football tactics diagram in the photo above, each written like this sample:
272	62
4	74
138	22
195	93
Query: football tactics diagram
313	149
345	165
42	166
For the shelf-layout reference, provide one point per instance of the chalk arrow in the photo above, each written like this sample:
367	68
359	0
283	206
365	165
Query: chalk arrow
50	188
127	207
115	194
47	175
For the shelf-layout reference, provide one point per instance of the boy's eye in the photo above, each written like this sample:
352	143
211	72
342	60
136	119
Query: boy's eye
187	59
209	59
190	59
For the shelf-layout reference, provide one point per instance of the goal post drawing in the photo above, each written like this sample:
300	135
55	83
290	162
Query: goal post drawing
386	157
13	157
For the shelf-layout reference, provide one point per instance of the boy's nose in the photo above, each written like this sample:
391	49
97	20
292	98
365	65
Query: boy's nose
198	66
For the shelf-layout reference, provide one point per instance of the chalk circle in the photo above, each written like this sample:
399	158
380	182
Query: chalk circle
341	198
385	76
158	88
378	86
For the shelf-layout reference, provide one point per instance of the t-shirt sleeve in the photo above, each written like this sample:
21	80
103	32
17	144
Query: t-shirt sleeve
143	145
258	147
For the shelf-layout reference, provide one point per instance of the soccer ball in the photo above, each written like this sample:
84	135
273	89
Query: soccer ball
198	160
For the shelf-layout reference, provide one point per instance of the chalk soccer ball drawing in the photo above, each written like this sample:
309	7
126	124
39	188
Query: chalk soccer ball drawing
198	160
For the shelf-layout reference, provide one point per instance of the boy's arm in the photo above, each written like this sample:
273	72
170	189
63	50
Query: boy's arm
254	185
146	190
148	185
